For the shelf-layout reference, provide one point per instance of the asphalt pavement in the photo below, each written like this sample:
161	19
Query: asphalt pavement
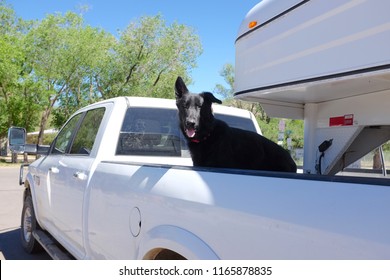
11	203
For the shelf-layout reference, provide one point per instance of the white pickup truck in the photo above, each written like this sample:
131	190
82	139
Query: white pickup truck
117	182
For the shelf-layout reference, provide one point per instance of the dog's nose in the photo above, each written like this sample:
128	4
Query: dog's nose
190	123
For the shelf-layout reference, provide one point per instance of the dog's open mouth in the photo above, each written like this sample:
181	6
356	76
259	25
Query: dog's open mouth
190	132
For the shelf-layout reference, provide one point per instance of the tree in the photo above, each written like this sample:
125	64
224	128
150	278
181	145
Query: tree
18	106
57	65
227	73
269	126
148	56
93	48
62	53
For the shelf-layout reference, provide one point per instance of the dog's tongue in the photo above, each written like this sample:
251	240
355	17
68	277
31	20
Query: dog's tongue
190	132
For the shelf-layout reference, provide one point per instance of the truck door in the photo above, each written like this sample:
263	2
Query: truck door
49	176
68	168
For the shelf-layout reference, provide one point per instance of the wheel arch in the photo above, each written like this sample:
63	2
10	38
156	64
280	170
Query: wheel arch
170	242
29	190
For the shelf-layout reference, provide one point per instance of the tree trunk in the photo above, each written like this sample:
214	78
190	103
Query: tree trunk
376	160
14	157
42	126
25	157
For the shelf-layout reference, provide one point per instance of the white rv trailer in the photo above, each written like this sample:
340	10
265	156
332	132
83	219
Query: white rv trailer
327	62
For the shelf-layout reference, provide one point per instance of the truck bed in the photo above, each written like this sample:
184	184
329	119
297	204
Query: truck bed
261	215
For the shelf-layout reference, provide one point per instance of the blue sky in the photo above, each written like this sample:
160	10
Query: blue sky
215	21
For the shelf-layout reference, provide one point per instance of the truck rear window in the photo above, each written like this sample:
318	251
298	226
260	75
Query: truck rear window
234	121
151	132
156	132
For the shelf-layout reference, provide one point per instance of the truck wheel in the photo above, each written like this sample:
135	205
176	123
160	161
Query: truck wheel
28	225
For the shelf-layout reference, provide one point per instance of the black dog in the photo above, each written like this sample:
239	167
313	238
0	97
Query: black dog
213	143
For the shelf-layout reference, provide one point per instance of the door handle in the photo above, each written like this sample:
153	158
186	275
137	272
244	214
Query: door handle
54	169
80	175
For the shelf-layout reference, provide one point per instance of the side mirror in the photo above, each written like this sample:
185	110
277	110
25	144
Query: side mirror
16	139
17	143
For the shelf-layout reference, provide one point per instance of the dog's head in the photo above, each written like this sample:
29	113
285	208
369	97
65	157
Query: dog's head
195	113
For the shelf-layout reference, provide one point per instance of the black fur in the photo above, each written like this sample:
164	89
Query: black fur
213	143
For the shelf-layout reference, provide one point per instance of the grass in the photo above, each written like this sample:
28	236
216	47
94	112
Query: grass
5	161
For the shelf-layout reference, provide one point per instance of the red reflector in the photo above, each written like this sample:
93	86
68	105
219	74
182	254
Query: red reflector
341	120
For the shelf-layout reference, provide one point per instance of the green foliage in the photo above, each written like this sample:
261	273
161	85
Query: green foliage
18	105
47	138
52	67
64	55
148	56
227	73
269	126
293	129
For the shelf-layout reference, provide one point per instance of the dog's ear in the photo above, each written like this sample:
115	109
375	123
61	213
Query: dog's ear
210	97
180	88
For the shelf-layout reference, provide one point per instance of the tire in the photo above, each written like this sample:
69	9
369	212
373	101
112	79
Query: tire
28	225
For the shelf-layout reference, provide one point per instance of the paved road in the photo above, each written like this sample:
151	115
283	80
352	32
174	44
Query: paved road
11	196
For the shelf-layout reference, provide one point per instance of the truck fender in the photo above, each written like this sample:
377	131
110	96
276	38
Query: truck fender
177	241
29	189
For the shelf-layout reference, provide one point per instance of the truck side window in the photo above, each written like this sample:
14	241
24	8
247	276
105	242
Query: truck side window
151	132
65	136
85	137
